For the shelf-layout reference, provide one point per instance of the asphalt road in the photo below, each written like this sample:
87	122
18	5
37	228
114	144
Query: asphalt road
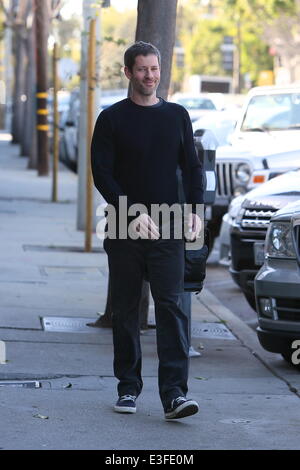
220	283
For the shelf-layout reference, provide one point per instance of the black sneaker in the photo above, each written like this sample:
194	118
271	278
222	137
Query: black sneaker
181	407
126	404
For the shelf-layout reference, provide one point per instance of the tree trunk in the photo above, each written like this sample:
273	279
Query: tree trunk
29	141
42	31
19	85
31	131
105	321
157	24
18	11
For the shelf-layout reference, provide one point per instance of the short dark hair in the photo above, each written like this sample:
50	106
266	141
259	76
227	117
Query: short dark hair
140	48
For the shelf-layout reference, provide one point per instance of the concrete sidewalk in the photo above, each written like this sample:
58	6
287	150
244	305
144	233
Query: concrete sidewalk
249	399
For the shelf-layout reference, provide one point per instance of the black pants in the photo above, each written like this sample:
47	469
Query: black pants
163	260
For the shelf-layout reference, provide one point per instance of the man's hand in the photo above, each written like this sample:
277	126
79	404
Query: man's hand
194	227
144	226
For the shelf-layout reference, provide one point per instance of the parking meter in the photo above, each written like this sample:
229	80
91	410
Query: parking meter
206	146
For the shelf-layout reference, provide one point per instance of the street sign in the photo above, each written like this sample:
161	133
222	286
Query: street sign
227	49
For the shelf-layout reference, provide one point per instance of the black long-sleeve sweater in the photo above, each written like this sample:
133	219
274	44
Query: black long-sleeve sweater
136	151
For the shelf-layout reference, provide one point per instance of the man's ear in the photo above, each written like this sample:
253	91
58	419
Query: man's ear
127	73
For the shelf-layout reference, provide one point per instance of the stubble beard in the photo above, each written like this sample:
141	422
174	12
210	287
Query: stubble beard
143	90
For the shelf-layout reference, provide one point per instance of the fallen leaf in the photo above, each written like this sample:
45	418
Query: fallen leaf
201	378
41	416
69	385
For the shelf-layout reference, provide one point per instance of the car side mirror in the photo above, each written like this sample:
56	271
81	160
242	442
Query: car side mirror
199	132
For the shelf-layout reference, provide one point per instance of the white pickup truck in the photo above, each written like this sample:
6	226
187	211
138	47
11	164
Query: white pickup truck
264	144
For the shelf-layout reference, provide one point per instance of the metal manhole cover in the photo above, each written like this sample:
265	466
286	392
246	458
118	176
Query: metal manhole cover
200	329
68	324
21	384
211	331
74	272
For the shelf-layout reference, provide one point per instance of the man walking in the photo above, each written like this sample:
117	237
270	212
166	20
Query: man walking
136	148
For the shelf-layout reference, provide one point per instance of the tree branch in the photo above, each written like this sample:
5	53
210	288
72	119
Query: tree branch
4	9
56	6
21	12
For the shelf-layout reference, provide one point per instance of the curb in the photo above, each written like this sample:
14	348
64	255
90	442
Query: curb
244	334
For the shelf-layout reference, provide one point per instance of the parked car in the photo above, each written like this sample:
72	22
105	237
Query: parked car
63	101
250	216
264	143
70	131
200	104
277	286
282	163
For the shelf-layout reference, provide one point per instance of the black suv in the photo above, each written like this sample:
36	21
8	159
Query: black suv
248	232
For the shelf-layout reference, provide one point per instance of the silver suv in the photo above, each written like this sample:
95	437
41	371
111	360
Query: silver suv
264	144
277	286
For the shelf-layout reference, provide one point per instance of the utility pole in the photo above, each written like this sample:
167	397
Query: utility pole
89	12
237	57
55	59
90	127
42	24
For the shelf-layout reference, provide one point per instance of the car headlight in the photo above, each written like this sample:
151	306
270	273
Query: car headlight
240	215
243	173
235	206
279	242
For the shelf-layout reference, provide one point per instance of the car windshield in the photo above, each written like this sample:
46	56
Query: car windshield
276	112
196	103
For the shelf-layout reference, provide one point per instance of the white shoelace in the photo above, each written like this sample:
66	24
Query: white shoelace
128	397
178	400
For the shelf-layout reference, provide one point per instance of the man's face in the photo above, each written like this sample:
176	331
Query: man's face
145	74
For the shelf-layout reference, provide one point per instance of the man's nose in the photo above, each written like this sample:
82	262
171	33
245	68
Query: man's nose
149	73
